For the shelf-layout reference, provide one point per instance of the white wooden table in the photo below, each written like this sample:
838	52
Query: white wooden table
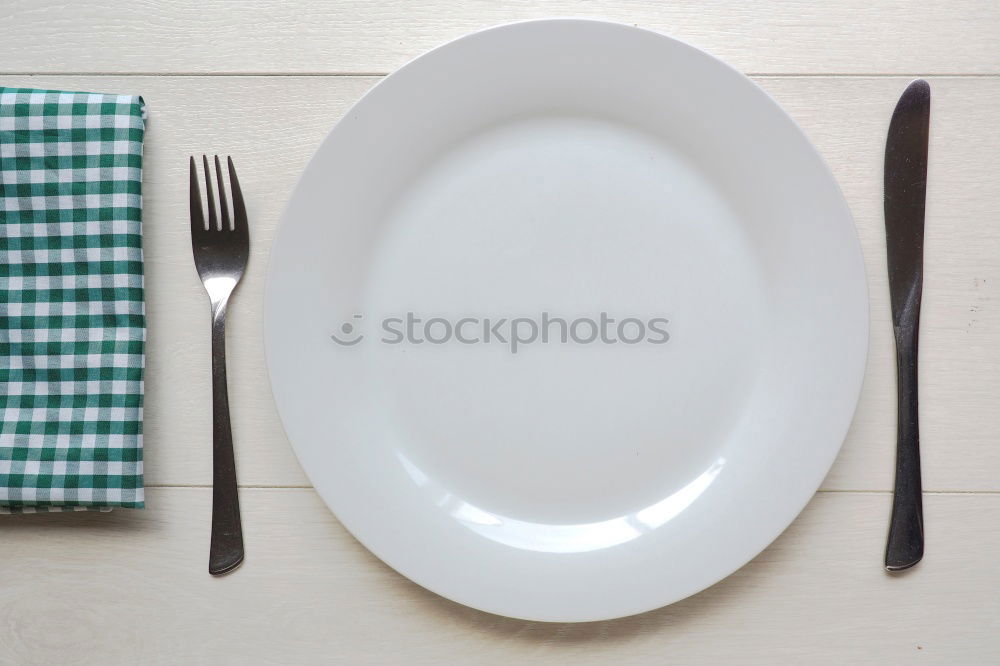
264	81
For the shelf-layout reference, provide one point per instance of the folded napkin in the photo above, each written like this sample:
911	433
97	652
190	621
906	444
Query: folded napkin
72	314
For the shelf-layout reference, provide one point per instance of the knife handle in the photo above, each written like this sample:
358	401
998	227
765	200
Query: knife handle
905	546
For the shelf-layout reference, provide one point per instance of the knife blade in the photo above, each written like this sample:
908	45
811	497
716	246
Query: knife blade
904	197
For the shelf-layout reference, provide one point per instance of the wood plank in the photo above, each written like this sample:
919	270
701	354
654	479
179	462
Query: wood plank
271	125
377	36
132	587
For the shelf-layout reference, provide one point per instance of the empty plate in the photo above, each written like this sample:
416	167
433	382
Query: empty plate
566	320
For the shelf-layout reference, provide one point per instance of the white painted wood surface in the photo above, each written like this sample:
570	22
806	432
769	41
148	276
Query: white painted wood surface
253	79
130	587
376	36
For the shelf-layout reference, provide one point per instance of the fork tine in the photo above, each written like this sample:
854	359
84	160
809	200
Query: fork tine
223	201
213	222
197	215
239	209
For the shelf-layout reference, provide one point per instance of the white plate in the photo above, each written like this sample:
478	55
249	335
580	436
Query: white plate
569	167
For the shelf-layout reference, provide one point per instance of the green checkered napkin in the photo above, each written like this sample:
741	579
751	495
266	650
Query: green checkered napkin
72	315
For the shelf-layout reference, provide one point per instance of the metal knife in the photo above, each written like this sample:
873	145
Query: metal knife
905	192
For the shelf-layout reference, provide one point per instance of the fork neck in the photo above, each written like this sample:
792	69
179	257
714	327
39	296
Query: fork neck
219	304
219	288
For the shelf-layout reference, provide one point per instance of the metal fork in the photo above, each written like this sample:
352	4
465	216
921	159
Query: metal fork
220	250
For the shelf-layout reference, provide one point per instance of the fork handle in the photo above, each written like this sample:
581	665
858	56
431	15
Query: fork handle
226	552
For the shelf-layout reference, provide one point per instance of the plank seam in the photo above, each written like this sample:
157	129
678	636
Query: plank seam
761	75
843	491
